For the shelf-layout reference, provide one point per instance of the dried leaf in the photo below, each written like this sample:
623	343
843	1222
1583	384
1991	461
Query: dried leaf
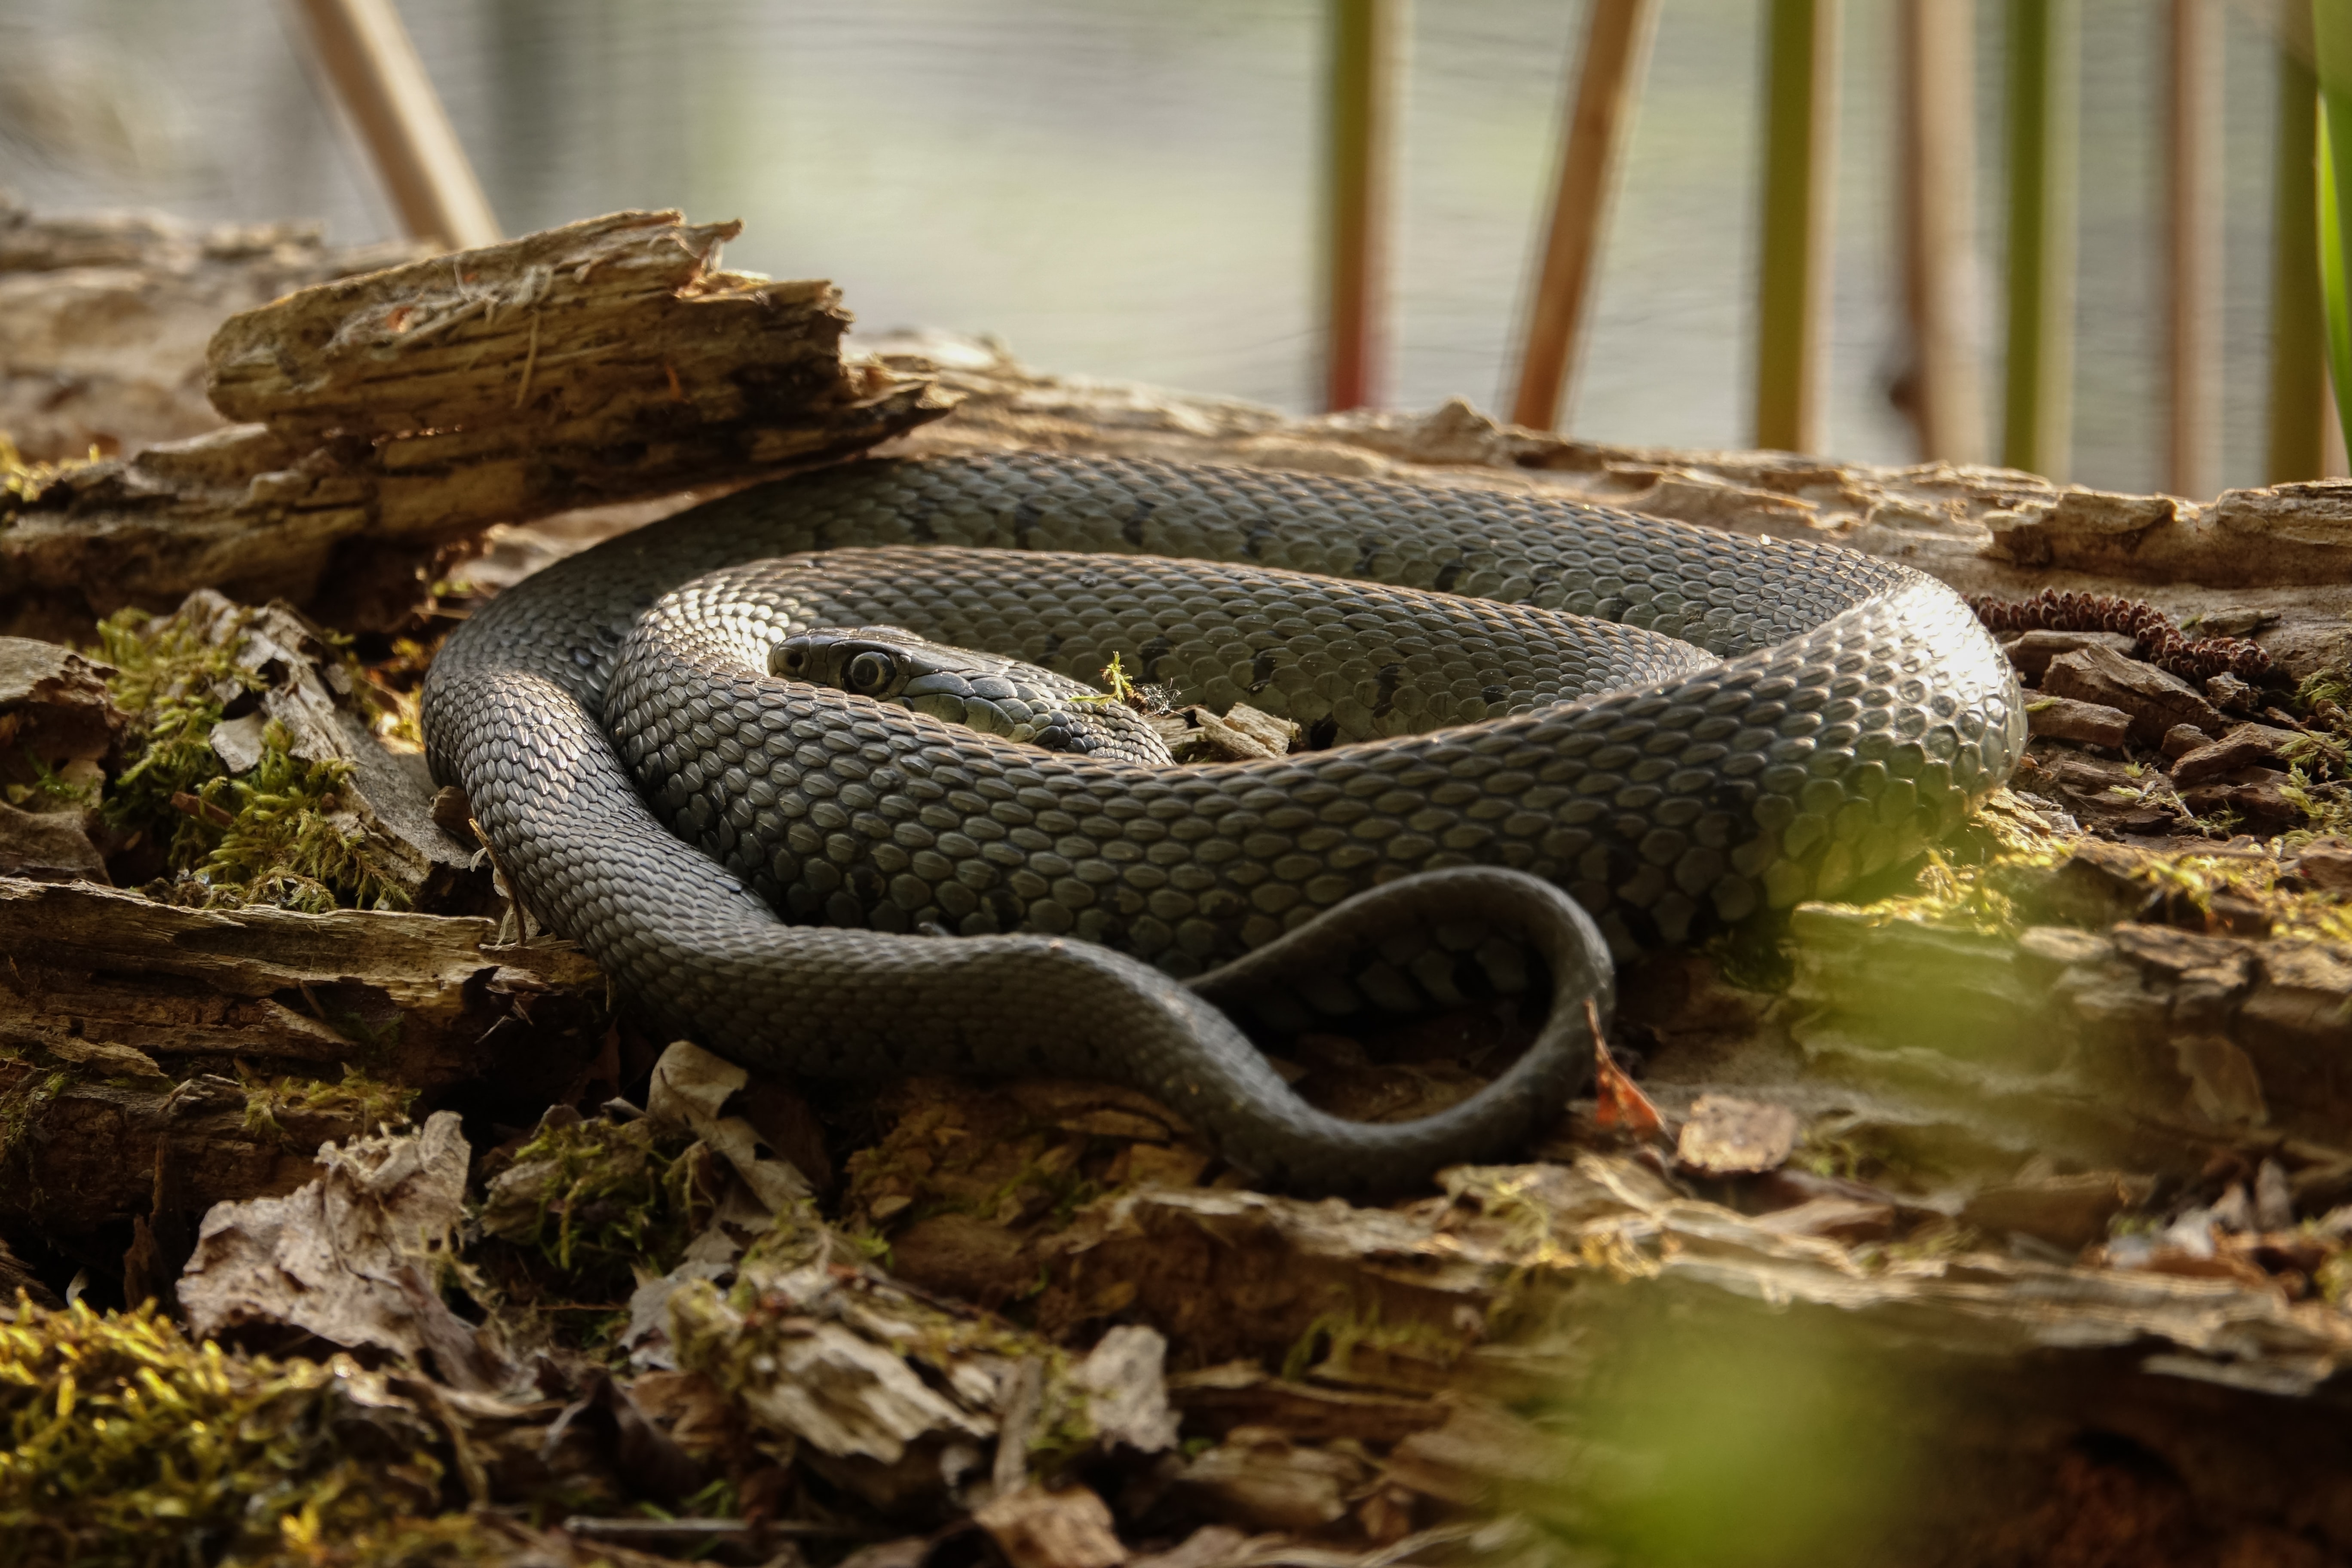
1070	1528
352	1257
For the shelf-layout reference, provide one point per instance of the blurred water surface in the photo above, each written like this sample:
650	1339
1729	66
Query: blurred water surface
1129	187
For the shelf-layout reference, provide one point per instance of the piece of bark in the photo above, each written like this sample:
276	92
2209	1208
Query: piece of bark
303	687
2157	700
1838	1219
389	414
2069	1212
1241	734
2245	746
2031	651
49	845
55	713
1219	1398
2085	723
422	1000
2232	695
2257	796
1730	1137
1259	1478
1125	1392
58	731
2326	865
2181	739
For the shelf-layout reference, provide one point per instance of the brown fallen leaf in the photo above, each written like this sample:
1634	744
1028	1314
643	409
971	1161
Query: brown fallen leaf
1621	1102
351	1256
1069	1527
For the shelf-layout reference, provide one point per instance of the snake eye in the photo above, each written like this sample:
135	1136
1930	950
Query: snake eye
868	672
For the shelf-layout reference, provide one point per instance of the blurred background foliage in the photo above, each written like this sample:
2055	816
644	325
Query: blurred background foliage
1130	187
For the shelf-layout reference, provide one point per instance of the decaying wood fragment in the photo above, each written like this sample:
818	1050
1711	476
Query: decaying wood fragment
299	695
59	728
390	414
216	997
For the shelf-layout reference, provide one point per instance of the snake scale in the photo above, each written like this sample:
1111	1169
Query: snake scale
1741	723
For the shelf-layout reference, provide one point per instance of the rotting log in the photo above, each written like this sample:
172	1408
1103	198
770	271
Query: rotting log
123	1018
388	415
2278	555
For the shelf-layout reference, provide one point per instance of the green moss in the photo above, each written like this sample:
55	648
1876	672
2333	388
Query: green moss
357	1100
130	1445
1334	1337
22	481
2015	883
604	1196
21	1107
173	683
287	839
276	833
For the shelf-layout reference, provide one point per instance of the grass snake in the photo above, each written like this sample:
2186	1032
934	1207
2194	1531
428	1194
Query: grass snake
1742	722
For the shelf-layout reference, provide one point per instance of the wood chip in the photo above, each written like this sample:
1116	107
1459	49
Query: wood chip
2085	723
2157	700
1729	1137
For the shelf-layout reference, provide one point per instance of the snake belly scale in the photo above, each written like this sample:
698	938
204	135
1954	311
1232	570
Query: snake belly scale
1760	721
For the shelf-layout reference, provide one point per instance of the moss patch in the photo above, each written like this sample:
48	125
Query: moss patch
22	481
600	1197
279	833
129	1445
357	1100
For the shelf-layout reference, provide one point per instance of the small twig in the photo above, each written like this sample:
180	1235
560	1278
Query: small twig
530	361
202	810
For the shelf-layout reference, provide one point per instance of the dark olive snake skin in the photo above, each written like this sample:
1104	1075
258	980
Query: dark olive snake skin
1844	713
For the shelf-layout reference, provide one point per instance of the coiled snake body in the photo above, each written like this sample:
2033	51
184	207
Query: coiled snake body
1766	721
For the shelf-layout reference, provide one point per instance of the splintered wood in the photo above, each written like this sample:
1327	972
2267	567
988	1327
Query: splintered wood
385	416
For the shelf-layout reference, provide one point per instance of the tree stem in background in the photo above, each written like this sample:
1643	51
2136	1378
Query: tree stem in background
2043	100
1616	44
2331	22
1367	49
2193	248
1793	293
376	76
1939	226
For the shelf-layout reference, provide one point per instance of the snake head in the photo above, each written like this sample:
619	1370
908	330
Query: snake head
983	691
870	661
